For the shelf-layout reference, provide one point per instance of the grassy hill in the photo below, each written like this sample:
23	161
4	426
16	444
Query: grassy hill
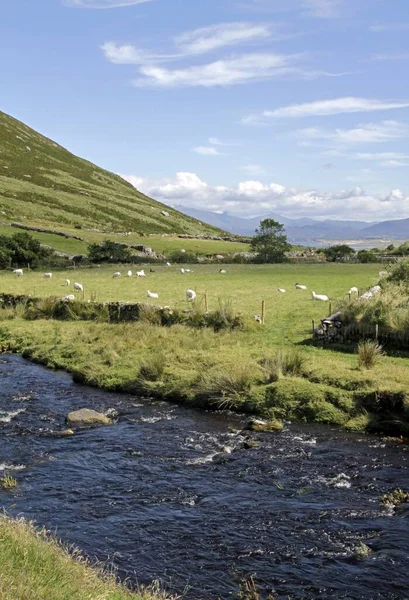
42	183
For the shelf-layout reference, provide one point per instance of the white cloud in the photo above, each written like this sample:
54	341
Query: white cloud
393	163
217	142
363	134
401	56
207	39
323	9
127	54
206	151
234	70
379	155
252	198
103	3
324	108
254	170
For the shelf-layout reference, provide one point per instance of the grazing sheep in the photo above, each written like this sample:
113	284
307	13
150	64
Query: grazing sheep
168	264
258	319
18	272
321	297
183	250
188	271
282	290
67	282
182	270
140	273
190	295
353	290
298	286
152	295
78	287
129	273
116	274
68	298
47	275
222	271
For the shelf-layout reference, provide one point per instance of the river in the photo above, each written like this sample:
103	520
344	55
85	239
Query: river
172	494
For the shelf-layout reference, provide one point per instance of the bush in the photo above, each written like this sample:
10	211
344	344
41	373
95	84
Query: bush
399	273
108	251
153	368
177	256
21	249
224	317
226	388
369	353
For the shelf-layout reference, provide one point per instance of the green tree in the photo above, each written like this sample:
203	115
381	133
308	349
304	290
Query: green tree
270	242
338	252
108	251
21	249
367	256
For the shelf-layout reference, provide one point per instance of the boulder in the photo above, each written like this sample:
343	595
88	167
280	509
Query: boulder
87	416
261	425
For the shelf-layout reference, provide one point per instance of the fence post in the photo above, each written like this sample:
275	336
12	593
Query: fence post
206	305
263	311
376	331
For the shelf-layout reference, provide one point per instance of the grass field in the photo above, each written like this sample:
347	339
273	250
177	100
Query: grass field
159	243
288	315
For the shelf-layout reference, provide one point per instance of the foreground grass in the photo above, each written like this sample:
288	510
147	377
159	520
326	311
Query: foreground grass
241	370
36	567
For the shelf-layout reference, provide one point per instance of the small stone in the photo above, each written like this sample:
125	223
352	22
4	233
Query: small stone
261	425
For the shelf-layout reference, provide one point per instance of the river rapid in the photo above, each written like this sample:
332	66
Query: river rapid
172	494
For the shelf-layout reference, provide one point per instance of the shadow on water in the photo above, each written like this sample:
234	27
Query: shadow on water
172	494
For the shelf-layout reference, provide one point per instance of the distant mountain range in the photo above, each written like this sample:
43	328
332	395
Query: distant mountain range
306	230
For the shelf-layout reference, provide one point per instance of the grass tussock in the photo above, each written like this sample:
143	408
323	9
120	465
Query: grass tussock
7	482
228	387
53	571
369	354
285	362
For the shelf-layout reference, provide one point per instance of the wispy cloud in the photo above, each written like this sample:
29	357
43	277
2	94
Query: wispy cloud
102	3
206	151
253	170
217	142
234	70
389	27
324	108
323	9
379	155
402	56
393	163
369	133
207	39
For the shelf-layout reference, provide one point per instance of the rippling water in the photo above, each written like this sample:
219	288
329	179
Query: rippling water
170	493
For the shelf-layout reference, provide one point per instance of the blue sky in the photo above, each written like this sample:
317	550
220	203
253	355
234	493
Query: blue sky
299	107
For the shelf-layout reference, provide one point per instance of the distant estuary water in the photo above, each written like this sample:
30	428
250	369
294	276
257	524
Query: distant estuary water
173	494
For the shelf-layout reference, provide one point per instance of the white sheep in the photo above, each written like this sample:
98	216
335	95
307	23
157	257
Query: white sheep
282	290
258	319
222	271
68	298
321	297
188	271
18	272
47	275
182	270
298	286
152	294
78	287
168	264
129	273
140	273
116	274
190	295
353	290
67	282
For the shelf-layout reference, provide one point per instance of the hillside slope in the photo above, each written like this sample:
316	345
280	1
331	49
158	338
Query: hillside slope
41	182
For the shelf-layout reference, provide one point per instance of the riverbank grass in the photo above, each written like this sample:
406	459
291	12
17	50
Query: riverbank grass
35	566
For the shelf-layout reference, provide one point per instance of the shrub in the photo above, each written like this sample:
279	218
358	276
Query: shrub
224	317
44	308
369	353
108	251
7	482
399	272
152	369
149	314
177	256
226	388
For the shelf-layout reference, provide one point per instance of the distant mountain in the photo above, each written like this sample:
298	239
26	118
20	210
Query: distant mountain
303	230
391	229
42	182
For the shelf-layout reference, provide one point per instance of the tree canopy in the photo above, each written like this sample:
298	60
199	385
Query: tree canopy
108	251
338	252
270	242
21	249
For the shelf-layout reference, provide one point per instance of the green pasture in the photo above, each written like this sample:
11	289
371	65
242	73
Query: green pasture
288	315
158	243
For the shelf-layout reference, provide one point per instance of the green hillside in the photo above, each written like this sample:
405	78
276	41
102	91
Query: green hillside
42	183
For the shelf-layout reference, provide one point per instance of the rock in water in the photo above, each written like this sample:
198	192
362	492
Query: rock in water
87	416
261	425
